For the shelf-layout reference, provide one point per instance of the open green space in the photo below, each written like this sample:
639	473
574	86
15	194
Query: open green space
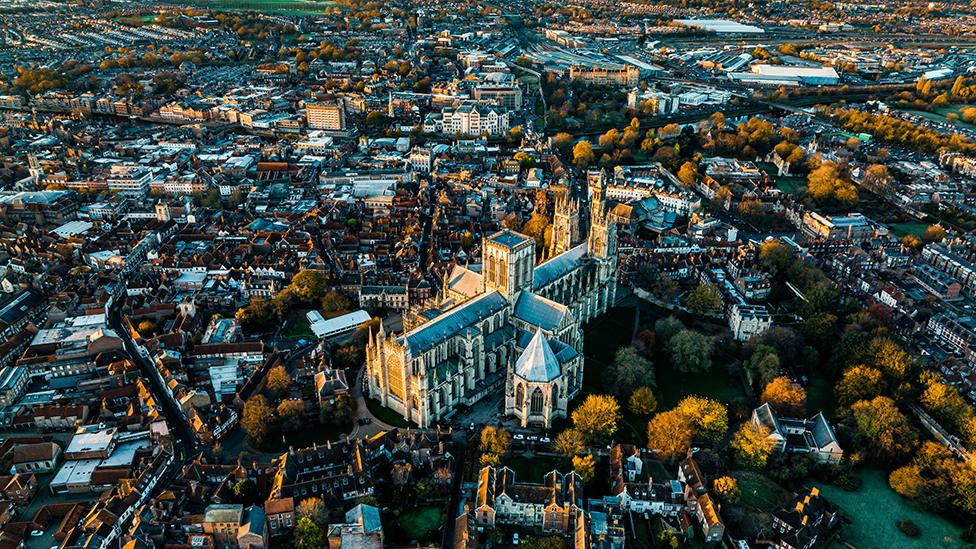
820	397
791	184
717	384
533	467
760	492
902	229
874	511
417	524
313	433
938	114
386	415
297	325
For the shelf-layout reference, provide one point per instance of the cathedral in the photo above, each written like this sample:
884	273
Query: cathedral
512	325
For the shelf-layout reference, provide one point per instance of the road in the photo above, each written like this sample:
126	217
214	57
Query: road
184	443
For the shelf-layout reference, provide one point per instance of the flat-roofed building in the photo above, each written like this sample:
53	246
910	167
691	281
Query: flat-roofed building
325	116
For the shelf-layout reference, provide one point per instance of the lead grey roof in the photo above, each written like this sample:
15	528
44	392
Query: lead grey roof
427	336
537	362
539	311
558	266
507	238
465	281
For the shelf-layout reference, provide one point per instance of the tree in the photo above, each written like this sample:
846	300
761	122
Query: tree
666	539
776	256
495	442
726	488
876	178
943	401
753	445
710	417
642	401
763	365
882	429
934	233
907	481
890	357
334	302
688	173
562	141
257	418
690	351
570	443
666	328
145	327
308	535
315	509
583	154
596	418
859	382
964	486
670	433
628	371
308	286
292	412
245	491
585	467
278	379
548	542
785	396
705	298
827	183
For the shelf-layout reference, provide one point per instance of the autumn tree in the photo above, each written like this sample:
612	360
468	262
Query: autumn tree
628	371
709	417
859	382
670	434
705	298
308	286
642	401
585	467
907	481
257	418
882	429
563	142
934	233
876	178
278	379
291	412
753	445
315	509
494	445
688	173
690	351
583	154
596	418
827	182
890	357
776	256
785	396
726	488
570	443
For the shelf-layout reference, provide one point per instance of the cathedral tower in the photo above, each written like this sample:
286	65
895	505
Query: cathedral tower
565	224
508	261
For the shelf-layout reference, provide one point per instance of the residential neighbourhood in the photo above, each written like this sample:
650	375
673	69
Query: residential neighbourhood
443	274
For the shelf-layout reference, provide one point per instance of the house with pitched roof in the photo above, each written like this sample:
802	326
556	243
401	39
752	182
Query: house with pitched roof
812	436
550	507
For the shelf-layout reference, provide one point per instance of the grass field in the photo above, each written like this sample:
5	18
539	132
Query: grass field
875	510
386	415
414	525
902	229
673	385
760	492
820	397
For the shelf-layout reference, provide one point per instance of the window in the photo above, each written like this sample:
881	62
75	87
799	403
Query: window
537	398
519	396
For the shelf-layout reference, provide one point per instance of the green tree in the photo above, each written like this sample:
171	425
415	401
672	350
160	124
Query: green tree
308	535
628	371
309	286
691	351
763	365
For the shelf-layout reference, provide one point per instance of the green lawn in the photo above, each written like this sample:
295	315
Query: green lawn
417	524
875	510
313	433
820	397
791	184
386	415
297	325
760	492
534	468
902	229
717	384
